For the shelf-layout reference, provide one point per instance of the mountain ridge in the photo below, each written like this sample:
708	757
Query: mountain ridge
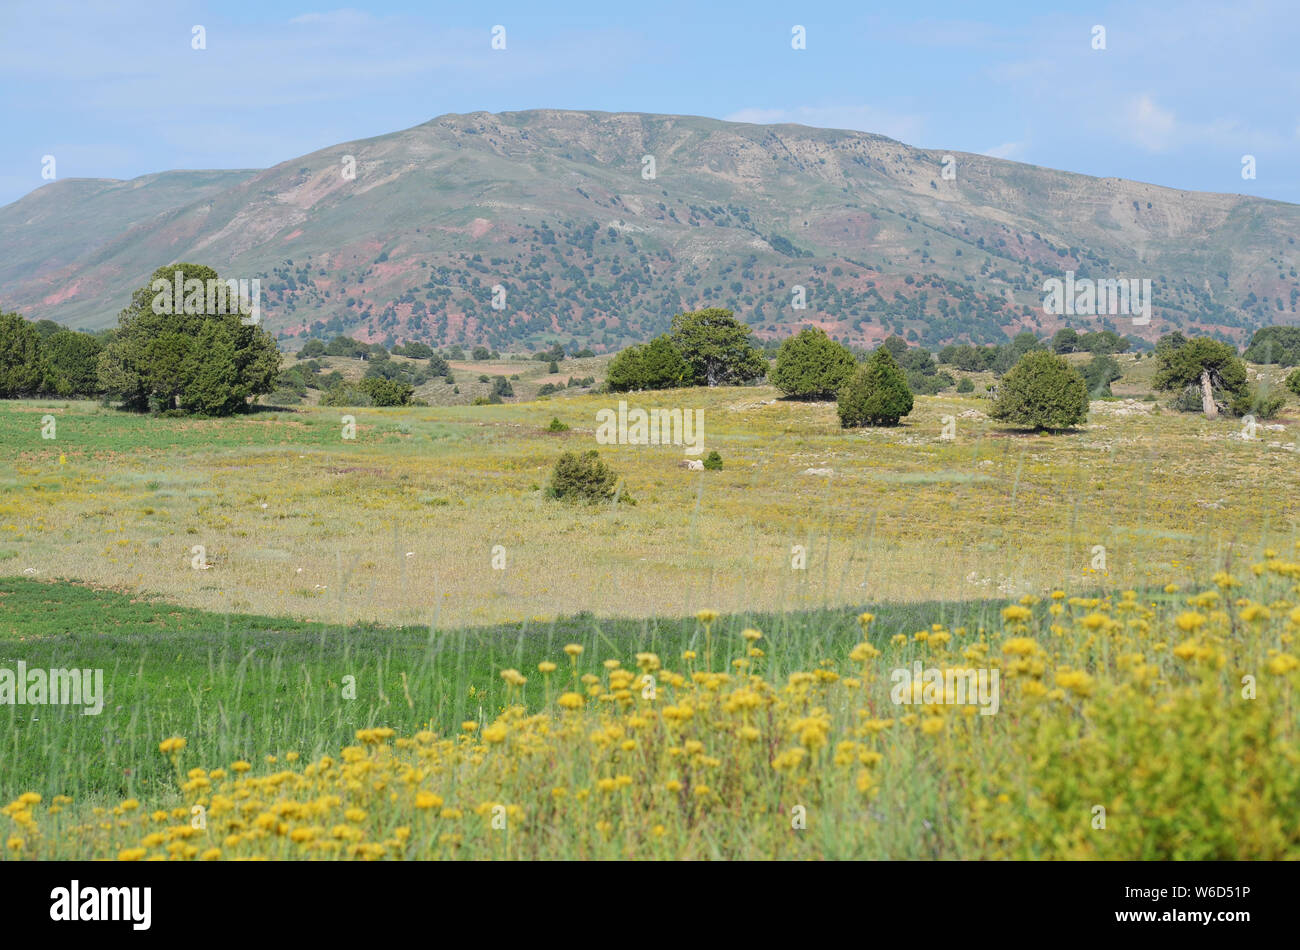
553	207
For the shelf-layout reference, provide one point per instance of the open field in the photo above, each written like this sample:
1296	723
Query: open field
398	525
347	635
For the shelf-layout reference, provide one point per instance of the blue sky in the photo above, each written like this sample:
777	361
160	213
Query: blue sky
1182	91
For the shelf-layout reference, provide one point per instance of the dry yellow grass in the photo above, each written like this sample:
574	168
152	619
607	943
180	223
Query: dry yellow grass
400	524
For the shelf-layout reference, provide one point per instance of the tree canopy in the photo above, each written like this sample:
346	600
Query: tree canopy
877	395
1042	391
22	365
654	365
810	365
1210	365
717	347
1280	345
183	357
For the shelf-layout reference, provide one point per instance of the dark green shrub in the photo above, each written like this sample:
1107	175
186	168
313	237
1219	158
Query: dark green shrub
810	365
1066	340
386	392
292	380
877	395
1279	345
345	394
1258	402
928	384
1098	373
284	397
1102	342
415	350
583	476
1293	382
557	426
1042	391
965	385
72	360
656	365
387	369
717	348
713	461
346	346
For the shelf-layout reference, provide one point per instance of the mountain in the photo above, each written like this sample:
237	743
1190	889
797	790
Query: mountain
559	210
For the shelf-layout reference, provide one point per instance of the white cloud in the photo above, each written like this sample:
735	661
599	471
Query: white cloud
1149	126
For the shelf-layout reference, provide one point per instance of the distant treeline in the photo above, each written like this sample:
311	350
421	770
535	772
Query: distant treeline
184	360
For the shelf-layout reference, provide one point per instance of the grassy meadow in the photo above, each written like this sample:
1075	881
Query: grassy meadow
398	525
349	675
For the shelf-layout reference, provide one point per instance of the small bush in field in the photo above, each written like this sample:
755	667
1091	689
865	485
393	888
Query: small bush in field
583	476
1293	382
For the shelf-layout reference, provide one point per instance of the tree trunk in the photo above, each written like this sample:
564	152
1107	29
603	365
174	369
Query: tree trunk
1207	396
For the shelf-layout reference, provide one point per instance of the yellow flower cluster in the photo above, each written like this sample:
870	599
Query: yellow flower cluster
1146	708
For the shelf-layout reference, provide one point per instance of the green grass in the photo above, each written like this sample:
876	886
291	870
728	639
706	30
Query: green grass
397	525
242	686
88	430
